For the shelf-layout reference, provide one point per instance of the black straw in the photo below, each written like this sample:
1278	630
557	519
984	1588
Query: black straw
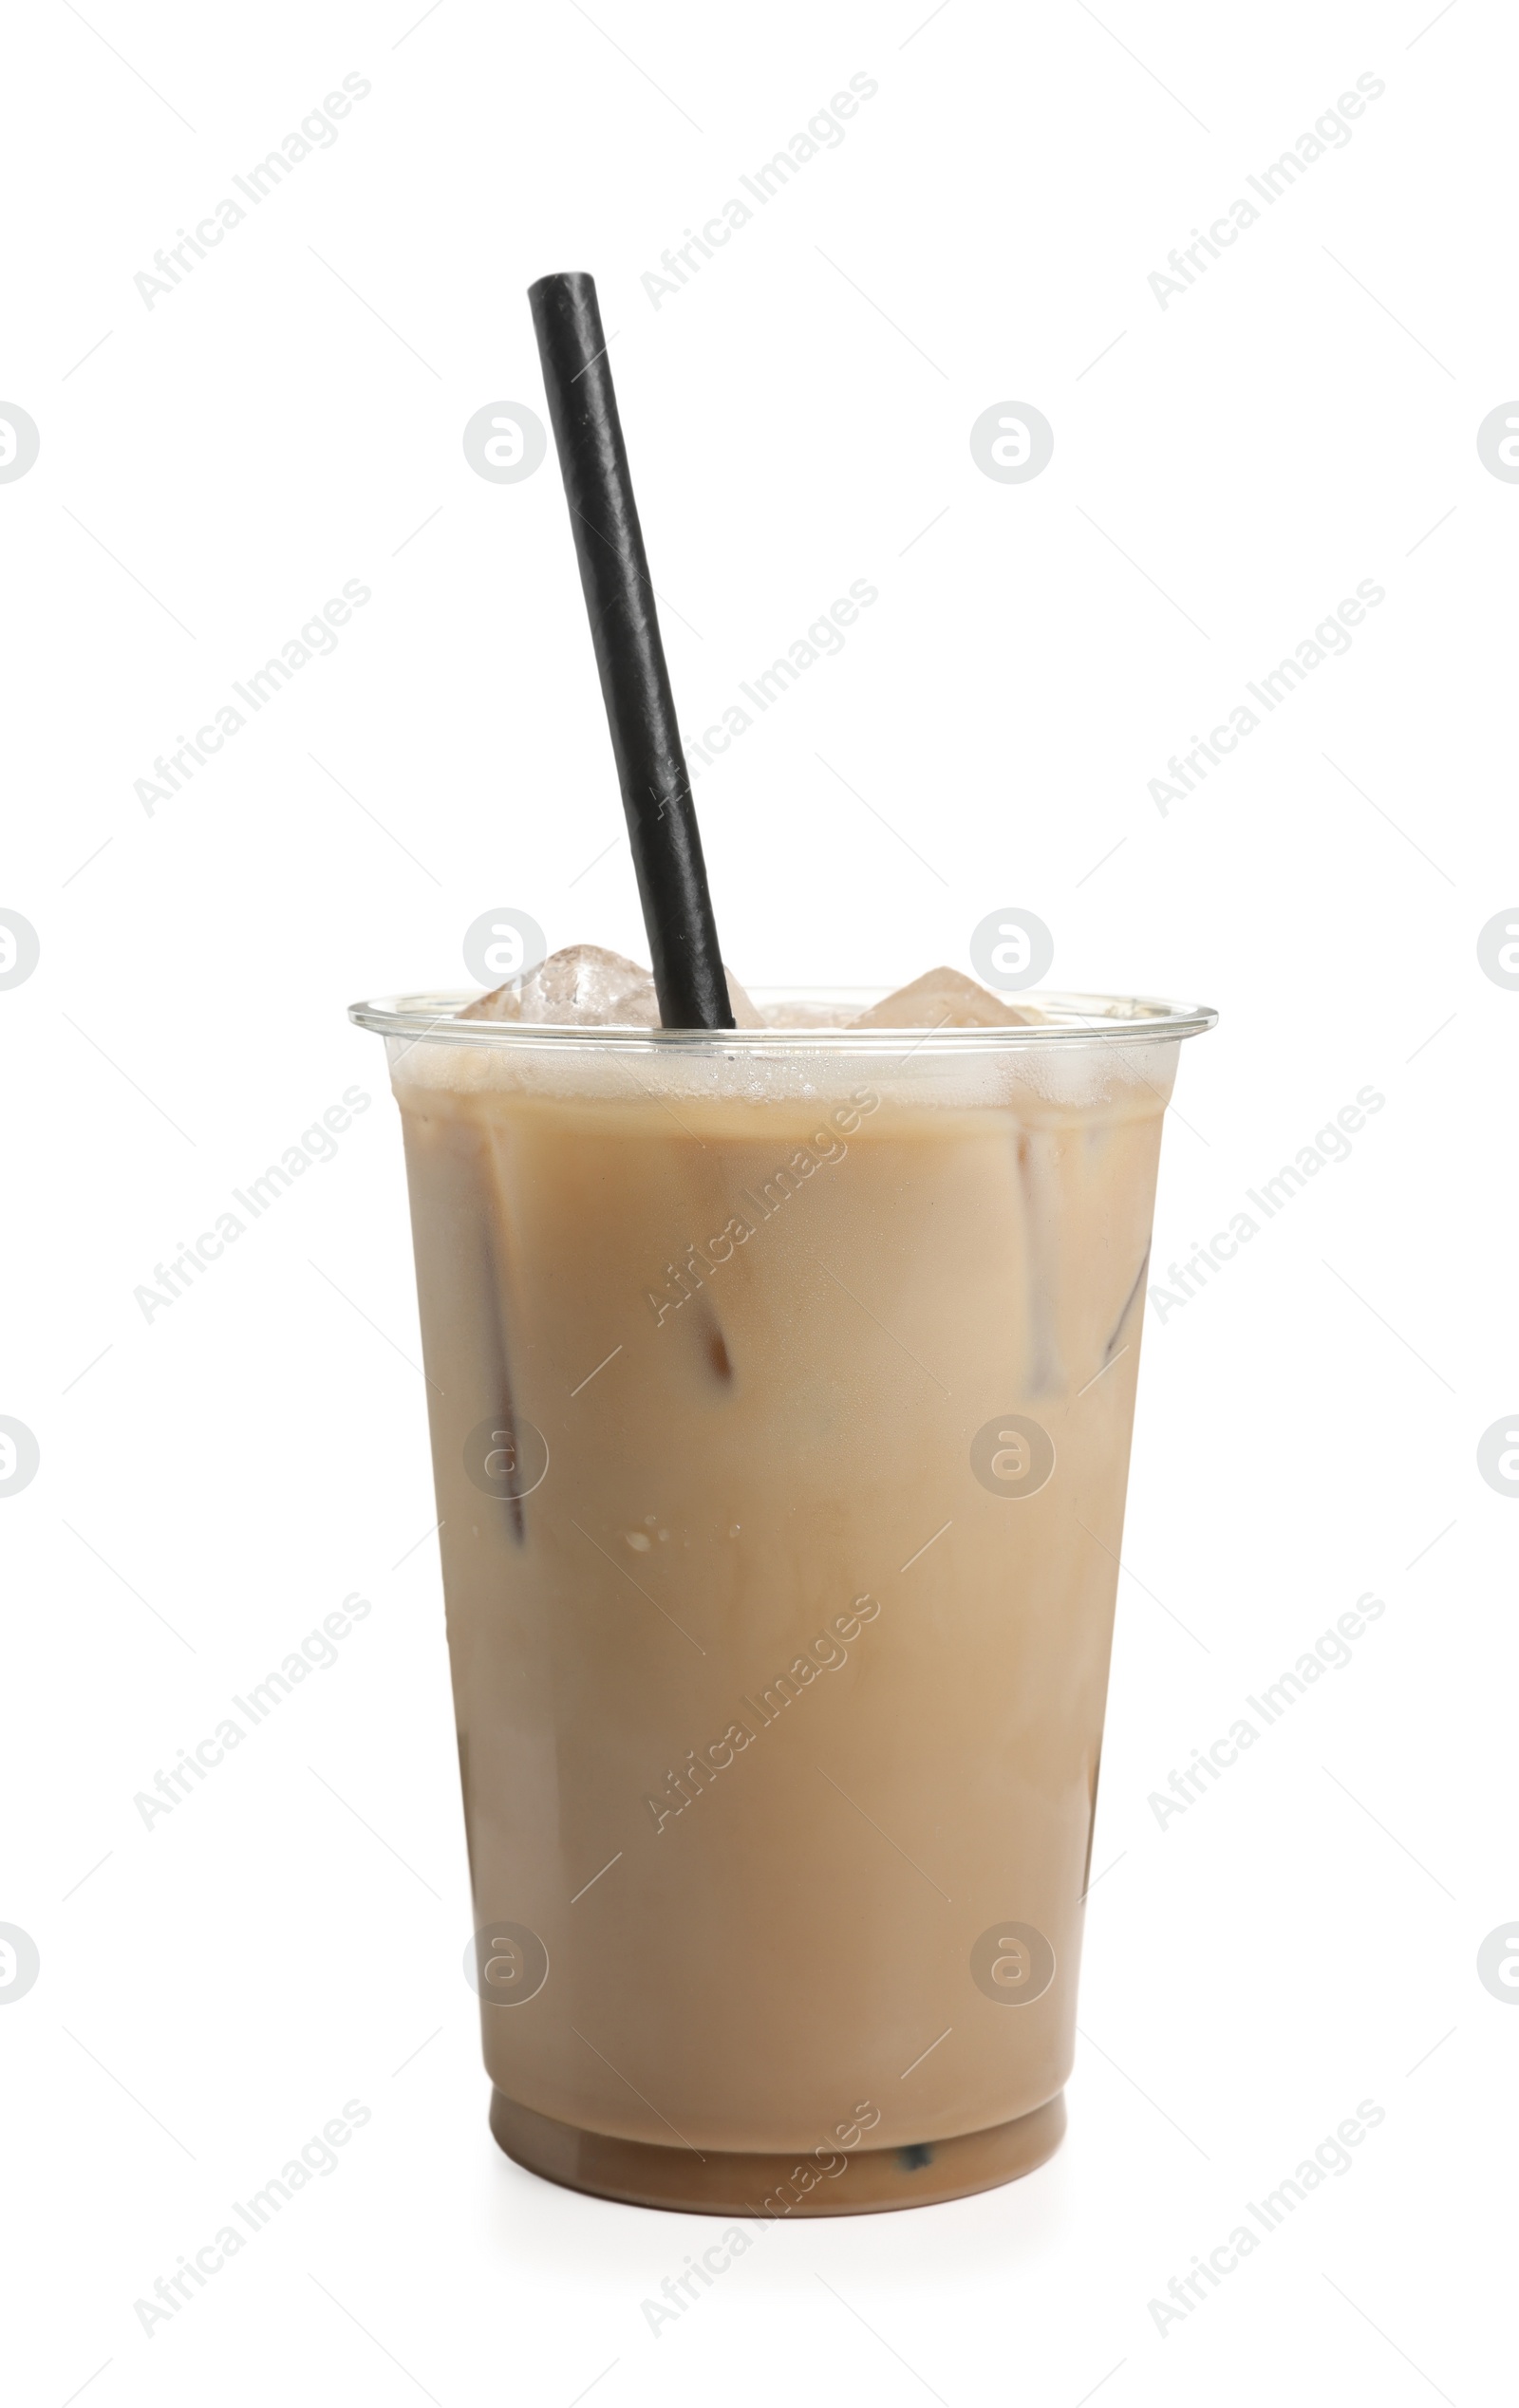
635	685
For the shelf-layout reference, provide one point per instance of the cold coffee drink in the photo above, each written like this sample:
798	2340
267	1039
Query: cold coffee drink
782	1385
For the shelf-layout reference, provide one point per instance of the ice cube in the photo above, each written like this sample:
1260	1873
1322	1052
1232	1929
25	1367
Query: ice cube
582	986
945	999
745	1014
502	1003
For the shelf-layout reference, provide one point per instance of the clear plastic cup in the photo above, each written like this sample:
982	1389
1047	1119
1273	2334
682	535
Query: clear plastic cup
781	1385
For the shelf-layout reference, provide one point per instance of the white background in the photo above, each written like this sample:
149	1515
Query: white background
214	1481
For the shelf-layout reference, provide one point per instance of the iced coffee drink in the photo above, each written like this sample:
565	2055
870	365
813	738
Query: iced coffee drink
780	1383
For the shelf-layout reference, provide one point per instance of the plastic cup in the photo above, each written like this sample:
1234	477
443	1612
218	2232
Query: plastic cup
782	1385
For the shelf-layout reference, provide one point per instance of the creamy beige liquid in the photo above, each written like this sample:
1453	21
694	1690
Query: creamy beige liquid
773	1478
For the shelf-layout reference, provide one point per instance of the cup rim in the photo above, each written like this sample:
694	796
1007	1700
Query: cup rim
1075	1019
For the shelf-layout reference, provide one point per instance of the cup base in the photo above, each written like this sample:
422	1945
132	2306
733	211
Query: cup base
734	2182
